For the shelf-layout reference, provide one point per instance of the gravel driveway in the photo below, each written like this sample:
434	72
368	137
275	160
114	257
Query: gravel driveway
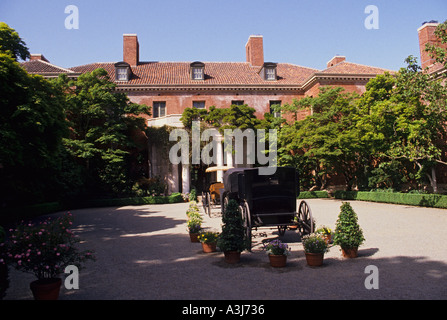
144	252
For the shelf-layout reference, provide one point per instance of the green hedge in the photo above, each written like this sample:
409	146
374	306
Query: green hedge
10	215
173	198
313	194
31	211
423	200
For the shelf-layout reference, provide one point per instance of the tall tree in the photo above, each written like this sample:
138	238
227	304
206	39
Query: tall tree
327	140
405	121
10	42
422	120
32	125
101	122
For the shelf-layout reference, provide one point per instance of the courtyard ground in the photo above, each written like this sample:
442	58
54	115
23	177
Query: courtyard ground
144	252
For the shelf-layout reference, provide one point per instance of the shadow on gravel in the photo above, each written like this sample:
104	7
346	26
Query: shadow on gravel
144	255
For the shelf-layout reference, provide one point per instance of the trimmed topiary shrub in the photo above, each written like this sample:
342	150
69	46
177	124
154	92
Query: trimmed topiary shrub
348	233
232	237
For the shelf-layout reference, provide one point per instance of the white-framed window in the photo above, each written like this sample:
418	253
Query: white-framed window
159	109
197	73
270	74
122	74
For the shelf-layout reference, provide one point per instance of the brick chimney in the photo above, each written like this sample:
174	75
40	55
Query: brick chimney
426	34
38	56
335	60
254	50
131	49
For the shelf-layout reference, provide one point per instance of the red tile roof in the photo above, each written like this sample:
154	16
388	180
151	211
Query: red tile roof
43	67
216	73
354	68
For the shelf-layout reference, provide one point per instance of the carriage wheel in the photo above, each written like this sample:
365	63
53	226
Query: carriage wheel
306	223
204	204
246	222
224	204
208	200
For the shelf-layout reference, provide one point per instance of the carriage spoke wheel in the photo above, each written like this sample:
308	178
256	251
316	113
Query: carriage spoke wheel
208	200
246	222
224	203
204	204
306	223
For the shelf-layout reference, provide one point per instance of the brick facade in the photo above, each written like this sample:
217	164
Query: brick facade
226	83
174	86
176	102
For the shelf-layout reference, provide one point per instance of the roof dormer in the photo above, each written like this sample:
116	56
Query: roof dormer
268	71
123	72
197	70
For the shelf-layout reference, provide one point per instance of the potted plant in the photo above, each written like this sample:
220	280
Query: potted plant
348	234
194	225
326	233
208	239
278	252
315	247
45	249
232	240
192	209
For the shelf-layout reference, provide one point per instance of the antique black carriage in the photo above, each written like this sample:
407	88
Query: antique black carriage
267	200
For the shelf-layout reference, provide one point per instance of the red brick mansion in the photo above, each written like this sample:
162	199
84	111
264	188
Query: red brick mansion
170	87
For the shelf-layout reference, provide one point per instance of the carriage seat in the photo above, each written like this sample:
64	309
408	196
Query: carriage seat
215	190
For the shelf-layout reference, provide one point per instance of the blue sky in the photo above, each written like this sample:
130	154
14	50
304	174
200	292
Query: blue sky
302	32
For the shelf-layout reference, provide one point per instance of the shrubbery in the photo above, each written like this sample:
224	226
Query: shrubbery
19	213
425	200
149	187
313	194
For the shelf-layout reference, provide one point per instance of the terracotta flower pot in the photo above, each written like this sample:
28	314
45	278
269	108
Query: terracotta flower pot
193	236
208	247
349	252
232	256
314	259
46	289
278	260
